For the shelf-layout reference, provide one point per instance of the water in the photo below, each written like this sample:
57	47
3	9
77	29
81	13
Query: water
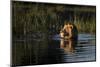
54	50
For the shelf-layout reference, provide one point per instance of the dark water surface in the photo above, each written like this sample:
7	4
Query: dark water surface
52	51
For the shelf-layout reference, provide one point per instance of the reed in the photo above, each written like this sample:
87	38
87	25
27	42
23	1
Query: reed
47	18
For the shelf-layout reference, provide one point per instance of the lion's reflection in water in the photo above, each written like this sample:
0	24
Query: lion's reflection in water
68	45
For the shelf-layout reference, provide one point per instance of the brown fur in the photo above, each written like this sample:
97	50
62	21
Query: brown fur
69	31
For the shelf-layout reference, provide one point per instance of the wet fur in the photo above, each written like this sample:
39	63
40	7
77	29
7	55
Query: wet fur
65	34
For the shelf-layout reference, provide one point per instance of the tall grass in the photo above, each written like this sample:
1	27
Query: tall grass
86	26
49	18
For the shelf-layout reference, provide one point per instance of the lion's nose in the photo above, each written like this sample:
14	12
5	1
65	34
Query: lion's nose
66	34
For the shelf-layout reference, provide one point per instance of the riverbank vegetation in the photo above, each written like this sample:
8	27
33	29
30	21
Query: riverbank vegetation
33	17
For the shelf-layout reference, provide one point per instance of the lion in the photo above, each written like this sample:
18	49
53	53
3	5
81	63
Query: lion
69	31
